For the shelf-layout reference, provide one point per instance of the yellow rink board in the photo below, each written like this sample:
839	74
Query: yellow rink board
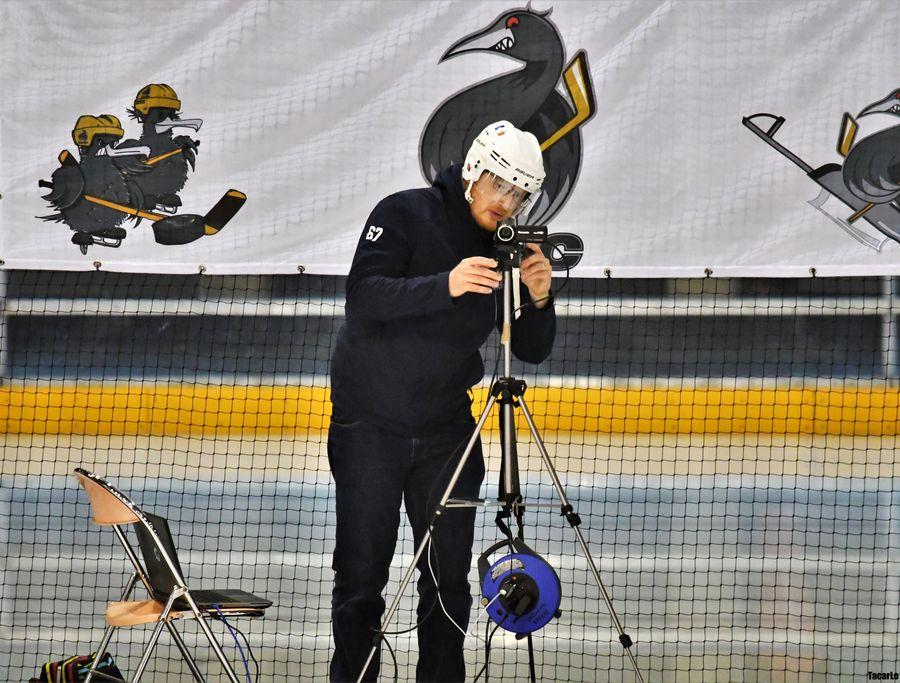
206	410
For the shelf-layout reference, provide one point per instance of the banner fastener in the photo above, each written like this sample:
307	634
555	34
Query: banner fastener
708	272
607	272
97	265
301	268
812	271
202	269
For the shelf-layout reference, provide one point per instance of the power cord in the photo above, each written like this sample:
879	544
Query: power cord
561	287
433	526
231	629
484	611
435	573
435	569
487	651
249	651
393	657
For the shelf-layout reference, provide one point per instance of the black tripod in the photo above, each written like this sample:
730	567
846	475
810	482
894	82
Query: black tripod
508	392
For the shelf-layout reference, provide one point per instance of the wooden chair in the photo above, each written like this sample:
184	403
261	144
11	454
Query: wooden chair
113	508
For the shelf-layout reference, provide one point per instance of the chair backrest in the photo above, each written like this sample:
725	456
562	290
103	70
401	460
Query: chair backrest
109	506
154	547
112	507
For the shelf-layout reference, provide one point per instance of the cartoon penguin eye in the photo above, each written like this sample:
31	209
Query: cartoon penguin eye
512	21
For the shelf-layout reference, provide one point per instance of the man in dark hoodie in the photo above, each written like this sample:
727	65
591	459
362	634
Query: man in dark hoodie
421	301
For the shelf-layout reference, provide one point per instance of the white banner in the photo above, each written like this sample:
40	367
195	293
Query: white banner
255	137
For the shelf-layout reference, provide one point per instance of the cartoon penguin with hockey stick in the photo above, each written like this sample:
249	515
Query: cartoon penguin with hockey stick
156	107
104	170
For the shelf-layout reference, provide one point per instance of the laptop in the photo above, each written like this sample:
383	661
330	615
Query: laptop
163	583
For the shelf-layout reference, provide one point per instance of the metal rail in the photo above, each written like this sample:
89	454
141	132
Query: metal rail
886	305
655	306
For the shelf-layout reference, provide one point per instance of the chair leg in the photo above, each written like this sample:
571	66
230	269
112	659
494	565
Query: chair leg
107	634
152	644
213	642
162	621
192	665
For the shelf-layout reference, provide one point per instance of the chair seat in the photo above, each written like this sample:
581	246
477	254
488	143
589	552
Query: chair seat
134	612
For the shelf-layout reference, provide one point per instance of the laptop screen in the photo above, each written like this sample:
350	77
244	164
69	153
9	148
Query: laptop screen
158	572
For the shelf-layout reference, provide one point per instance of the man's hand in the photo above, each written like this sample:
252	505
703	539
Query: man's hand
535	273
474	274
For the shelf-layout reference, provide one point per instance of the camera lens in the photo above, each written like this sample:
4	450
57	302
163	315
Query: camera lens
506	233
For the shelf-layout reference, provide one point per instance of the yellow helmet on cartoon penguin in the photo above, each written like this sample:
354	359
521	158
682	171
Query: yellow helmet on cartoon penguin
87	127
156	95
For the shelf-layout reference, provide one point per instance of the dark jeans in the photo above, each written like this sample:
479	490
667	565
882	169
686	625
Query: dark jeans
373	471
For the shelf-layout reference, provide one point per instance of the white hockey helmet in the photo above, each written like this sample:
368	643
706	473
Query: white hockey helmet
510	153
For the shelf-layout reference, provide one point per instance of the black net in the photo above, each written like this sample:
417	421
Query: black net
728	444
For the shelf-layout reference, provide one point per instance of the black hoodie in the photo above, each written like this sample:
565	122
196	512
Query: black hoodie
408	353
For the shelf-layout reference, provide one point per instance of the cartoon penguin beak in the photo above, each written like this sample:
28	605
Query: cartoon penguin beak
111	151
169	124
889	105
492	39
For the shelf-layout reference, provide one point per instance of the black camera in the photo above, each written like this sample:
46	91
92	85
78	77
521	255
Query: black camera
520	234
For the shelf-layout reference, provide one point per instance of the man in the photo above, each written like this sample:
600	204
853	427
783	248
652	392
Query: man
420	304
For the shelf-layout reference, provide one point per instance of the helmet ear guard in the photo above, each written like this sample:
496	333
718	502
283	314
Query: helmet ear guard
471	173
509	153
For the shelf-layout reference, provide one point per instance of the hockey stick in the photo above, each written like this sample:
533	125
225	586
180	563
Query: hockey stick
157	159
581	90
223	211
847	137
179	229
185	227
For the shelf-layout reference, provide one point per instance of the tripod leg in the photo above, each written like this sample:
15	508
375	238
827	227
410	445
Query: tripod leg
427	535
573	519
533	676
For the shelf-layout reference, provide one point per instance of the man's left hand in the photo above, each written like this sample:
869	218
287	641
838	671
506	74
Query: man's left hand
535	272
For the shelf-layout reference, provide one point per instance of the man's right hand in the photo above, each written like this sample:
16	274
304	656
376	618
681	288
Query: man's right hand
474	274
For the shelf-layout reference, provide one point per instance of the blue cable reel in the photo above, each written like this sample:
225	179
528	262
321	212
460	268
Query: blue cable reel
530	587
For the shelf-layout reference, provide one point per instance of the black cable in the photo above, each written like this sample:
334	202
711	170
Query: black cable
434	602
393	658
555	294
431	492
232	629
532	674
433	523
249	650
487	651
